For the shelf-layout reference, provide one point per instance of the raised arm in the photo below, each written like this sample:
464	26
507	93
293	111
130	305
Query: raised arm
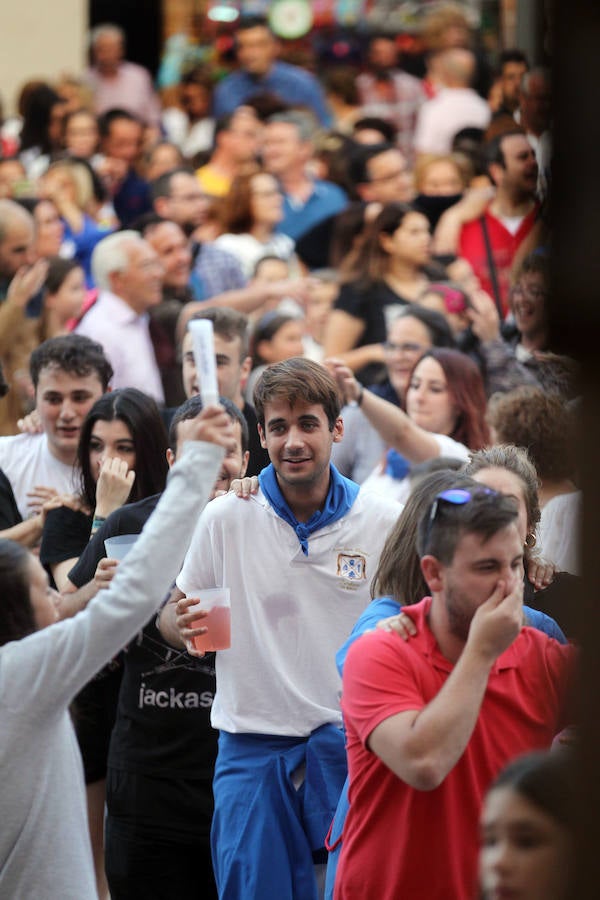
56	662
392	423
246	299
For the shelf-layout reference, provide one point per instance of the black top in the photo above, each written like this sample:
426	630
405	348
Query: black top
377	306
561	600
259	458
163	719
9	511
65	535
128	519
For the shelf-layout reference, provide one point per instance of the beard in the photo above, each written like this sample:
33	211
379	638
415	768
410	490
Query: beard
459	614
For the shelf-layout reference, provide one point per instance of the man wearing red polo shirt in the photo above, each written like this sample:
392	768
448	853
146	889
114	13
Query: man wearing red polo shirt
508	219
431	721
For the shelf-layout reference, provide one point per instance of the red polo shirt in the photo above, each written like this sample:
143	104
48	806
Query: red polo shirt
471	246
403	843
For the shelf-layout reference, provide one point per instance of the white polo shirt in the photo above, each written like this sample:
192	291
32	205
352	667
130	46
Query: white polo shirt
290	613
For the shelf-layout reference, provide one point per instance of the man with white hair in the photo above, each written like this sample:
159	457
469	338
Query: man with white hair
118	83
129	274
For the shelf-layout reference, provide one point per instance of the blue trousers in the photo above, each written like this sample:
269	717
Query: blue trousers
266	830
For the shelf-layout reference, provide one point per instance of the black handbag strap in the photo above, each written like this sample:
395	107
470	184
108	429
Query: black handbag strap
492	267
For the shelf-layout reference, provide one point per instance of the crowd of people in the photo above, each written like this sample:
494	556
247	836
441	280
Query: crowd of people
388	486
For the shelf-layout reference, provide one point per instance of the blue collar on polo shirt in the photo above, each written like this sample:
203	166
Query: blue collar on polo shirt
341	495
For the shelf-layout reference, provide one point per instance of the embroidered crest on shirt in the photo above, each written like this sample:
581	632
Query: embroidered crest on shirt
352	566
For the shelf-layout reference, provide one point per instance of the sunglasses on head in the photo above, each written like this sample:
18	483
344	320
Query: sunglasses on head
455	497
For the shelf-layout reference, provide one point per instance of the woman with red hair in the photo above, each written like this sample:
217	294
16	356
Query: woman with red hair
445	410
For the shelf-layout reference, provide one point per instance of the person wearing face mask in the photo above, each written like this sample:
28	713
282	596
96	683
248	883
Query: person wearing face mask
440	181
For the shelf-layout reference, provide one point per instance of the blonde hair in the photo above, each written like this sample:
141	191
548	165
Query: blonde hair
460	163
81	179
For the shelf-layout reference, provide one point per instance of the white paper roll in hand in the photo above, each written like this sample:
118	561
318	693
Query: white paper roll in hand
204	357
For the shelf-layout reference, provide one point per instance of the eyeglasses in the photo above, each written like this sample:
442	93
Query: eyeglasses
405	347
399	173
536	293
455	497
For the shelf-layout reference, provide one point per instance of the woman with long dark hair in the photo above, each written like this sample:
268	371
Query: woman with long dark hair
41	134
387	271
122	458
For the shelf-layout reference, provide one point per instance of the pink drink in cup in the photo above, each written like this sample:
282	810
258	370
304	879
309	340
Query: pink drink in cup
218	620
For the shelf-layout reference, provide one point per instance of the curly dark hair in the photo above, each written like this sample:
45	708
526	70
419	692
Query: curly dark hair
73	353
539	421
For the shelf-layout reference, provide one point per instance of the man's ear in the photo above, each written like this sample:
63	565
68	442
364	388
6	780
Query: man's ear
170	457
432	571
363	189
261	435
245	460
162	207
338	430
496	173
114	280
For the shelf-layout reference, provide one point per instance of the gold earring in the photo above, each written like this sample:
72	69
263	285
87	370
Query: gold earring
530	540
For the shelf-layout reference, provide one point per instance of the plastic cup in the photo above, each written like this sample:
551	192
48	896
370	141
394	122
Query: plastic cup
216	602
119	546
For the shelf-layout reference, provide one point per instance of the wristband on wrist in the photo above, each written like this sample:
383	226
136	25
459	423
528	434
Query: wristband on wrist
97	522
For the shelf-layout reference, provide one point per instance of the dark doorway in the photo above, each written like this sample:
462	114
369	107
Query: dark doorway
142	22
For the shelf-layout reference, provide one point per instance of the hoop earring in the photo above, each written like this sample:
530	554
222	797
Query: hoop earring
530	540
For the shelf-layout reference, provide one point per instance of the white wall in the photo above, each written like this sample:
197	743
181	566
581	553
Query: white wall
39	39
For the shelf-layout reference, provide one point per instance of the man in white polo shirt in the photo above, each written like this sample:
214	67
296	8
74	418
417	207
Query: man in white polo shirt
69	373
298	558
129	274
